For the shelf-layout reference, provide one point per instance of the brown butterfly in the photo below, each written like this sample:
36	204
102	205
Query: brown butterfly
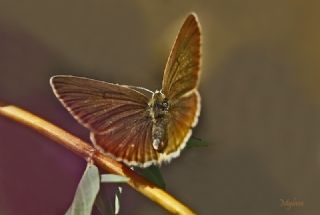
127	124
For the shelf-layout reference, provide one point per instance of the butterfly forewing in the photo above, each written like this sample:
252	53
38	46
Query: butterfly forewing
99	105
183	66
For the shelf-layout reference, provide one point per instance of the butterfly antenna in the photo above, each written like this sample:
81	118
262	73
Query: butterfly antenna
139	88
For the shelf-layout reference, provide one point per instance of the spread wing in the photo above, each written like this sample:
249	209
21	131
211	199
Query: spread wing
184	114
182	71
116	116
132	143
180	81
99	105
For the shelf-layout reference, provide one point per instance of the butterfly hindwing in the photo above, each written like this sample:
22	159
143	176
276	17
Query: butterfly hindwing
183	116
132	143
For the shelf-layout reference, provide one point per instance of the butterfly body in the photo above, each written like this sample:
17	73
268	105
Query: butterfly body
159	111
127	124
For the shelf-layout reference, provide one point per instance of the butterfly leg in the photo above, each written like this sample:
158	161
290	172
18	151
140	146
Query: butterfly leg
89	157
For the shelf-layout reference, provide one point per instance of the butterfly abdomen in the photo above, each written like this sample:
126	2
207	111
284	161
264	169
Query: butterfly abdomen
159	135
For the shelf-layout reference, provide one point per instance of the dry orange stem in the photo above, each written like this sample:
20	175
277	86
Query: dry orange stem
86	151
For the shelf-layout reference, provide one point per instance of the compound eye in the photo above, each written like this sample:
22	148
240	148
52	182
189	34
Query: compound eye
165	105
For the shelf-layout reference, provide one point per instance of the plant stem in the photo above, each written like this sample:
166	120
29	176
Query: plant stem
86	151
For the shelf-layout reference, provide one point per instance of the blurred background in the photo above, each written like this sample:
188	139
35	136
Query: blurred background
259	86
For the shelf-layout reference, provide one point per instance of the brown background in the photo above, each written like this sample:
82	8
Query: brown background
259	87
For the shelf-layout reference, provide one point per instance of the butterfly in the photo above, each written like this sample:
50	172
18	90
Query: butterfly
127	124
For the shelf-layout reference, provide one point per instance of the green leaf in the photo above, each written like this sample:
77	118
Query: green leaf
112	178
86	192
196	142
153	174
